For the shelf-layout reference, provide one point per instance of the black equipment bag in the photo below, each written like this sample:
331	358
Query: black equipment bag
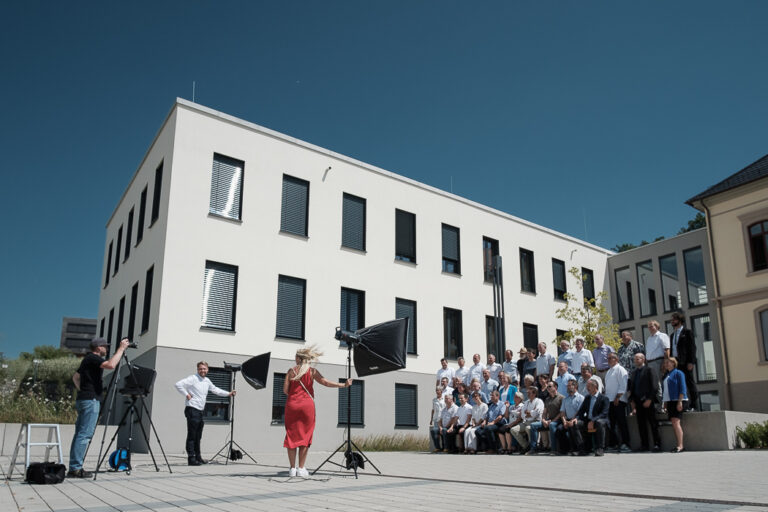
46	473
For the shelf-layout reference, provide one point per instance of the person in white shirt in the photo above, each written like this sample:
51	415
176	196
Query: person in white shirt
462	371
448	419
616	390
545	363
447	389
493	367
510	367
581	355
463	420
656	352
476	370
444	371
533	408
479	410
195	388
434	419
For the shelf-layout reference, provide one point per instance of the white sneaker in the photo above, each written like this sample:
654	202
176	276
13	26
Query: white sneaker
303	473
292	472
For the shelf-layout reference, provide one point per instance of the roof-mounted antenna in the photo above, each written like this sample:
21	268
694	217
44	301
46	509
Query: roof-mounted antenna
193	91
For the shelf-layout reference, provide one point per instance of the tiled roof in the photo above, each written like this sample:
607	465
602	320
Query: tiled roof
750	173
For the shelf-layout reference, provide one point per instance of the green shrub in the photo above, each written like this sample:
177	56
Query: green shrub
44	396
753	435
392	443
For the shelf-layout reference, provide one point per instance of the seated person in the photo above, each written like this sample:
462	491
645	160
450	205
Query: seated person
586	375
493	420
513	416
592	418
533	408
479	412
566	420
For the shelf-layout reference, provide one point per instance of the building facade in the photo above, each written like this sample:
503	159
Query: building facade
233	240
77	333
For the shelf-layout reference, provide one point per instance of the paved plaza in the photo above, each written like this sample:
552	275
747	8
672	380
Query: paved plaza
710	481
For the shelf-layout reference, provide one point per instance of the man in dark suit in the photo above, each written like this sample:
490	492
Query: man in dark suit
592	417
643	385
683	347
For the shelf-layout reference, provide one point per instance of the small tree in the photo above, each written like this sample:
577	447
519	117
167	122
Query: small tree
588	317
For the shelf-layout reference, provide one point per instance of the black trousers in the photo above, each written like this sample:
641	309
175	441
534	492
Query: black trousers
690	383
194	431
449	440
619	430
646	417
601	428
566	441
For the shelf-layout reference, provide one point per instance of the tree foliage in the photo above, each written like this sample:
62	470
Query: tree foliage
45	352
699	221
588	317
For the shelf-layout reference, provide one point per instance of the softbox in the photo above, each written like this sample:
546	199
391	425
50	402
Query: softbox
256	369
380	348
138	380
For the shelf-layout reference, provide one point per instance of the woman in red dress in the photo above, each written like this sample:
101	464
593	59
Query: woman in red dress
300	406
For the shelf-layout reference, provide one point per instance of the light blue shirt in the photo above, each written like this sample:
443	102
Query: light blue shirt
562	383
487	386
543	363
495	410
571	404
600	355
567	356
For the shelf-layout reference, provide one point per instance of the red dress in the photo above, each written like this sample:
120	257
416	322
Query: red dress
300	412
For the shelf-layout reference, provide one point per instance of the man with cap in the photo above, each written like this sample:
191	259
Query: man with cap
88	381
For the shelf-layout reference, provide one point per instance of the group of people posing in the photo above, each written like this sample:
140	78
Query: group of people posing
576	403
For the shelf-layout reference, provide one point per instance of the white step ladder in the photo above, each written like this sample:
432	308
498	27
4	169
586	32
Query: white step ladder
26	442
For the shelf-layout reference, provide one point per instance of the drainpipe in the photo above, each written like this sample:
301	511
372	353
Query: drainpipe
720	327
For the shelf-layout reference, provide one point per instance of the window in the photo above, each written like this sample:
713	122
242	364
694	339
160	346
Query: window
405	236
132	311
278	399
352	310
217	407
407	309
706	371
128	235
764	332
694	275
453	343
646	283
109	264
226	187
451	251
109	326
101	328
406	405
156	193
219	296
758	244
624	294
558	278
559	336
646	334
588	278
355	394
120	317
709	401
490	251
118	249
147	299
142	212
670	285
353	222
493	342
294	212
527	273
531	336
291	296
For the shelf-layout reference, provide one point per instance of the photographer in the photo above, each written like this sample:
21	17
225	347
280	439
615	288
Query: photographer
87	380
195	388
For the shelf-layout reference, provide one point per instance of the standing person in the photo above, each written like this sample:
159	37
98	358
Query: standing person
493	367
627	351
581	355
643	384
434	419
656	351
562	378
522	358
444	372
476	370
300	406
195	388
88	381
600	355
545	363
510	367
616	380
683	348
674	399
566	354
529	367
462	372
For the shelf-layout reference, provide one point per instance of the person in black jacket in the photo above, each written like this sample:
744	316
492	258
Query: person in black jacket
642	386
592	417
683	347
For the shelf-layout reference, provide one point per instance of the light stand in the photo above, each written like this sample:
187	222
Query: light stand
230	454
353	459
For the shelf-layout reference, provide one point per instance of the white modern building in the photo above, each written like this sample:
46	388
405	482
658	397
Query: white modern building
233	240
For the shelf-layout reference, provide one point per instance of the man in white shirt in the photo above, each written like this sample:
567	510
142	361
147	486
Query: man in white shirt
434	419
463	418
533	408
545	363
616	390
493	367
448	418
196	388
656	352
581	355
444	371
447	389
510	367
462	371
476	370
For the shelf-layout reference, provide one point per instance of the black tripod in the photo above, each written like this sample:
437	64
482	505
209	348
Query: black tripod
353	459
232	454
132	409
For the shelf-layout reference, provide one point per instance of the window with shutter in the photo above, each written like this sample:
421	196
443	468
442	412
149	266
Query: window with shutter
451	254
278	399
356	404
353	222
588	278
531	336
219	296
405	236
226	187
453	343
527	272
406	405
294	213
291	294
558	278
352	310
407	309
217	407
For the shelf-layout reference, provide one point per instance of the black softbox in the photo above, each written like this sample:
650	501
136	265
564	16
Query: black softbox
381	348
256	370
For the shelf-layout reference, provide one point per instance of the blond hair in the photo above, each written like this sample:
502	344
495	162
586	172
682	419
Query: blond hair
306	357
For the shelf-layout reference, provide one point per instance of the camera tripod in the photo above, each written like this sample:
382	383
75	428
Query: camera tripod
232	454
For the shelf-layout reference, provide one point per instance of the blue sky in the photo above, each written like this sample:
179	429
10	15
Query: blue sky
597	119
